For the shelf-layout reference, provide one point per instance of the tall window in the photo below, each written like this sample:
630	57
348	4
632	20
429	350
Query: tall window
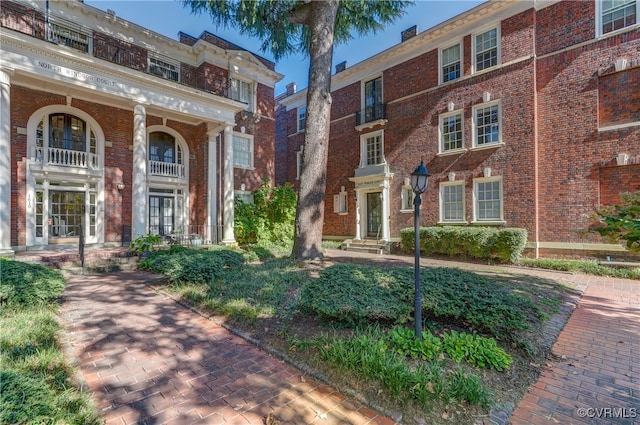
67	132
164	68
242	151
165	156
487	120
372	149
452	201
488	199
302	118
66	36
618	14
451	132
486	49
451	64
242	91
373	99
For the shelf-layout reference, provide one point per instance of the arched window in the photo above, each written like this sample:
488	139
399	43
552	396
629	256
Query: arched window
165	155
65	140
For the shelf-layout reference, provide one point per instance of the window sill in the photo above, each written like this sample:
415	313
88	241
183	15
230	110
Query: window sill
453	223
405	211
619	126
343	213
242	167
489	223
488	146
453	152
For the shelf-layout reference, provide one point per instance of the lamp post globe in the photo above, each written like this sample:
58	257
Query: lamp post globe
419	182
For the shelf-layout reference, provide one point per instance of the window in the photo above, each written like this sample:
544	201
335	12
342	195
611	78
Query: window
67	132
407	198
164	69
451	132
452	202
66	36
340	202
242	151
373	109
618	14
244	196
242	91
166	211
450	63
486	49
487	120
372	149
165	156
488	199
302	118
298	164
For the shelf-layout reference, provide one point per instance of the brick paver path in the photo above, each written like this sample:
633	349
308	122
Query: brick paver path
148	360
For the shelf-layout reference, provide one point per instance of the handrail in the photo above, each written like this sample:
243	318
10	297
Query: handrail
166	169
64	157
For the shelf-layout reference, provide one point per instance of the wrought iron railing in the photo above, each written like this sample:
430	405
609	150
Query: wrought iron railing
371	113
33	22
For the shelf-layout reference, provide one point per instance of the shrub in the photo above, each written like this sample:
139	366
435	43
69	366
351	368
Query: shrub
477	350
24	284
502	245
405	343
145	243
194	266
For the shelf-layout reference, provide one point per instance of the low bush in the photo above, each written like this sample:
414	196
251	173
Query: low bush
25	285
477	350
501	245
592	267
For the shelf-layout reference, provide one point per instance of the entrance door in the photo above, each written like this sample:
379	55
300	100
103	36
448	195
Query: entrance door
374	213
65	214
160	215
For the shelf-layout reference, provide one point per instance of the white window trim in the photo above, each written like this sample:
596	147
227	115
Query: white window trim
251	151
406	189
440	64
474	130
298	164
598	20
441	202
301	108
498	52
441	119
251	107
478	180
341	203
363	148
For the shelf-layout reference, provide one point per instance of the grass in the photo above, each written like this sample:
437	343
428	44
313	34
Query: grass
592	267
35	381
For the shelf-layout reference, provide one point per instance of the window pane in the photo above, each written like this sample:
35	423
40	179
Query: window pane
453	203
488	125
489	202
451	63
452	132
374	150
487	49
242	154
617	14
162	147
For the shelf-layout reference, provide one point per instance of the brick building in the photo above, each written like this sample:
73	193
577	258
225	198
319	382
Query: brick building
110	125
526	114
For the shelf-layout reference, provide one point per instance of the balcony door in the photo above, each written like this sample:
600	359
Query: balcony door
373	99
161	215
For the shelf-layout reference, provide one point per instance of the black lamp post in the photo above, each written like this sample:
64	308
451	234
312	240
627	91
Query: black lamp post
419	181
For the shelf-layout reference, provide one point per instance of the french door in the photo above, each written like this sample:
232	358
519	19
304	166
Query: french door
161	215
374	213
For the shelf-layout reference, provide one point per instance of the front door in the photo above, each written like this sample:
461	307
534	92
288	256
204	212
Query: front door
65	214
160	215
374	213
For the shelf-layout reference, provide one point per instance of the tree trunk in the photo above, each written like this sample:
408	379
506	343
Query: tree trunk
311	196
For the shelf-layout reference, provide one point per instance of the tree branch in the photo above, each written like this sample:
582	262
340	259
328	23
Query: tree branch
301	13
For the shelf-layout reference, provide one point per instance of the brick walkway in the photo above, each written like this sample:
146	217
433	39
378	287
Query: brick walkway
148	360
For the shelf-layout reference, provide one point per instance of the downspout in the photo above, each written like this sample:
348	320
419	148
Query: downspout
536	166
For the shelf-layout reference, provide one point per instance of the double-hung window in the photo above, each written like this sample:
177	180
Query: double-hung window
302	118
372	149
373	108
451	131
450	63
486	49
340	202
487	121
243	151
242	91
164	68
407	199
618	14
488	202
452	202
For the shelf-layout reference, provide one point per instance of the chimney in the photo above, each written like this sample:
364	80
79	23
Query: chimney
341	66
409	33
291	89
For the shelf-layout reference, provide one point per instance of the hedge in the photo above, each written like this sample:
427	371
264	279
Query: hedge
504	245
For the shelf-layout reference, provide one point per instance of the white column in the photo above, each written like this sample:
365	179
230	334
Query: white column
228	236
359	196
386	211
139	187
5	162
212	205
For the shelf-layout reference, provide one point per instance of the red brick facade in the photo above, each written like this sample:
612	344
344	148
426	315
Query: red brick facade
565	115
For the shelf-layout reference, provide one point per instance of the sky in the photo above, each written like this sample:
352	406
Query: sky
169	17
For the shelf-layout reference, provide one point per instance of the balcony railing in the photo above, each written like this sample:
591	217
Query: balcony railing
64	158
32	22
371	113
166	169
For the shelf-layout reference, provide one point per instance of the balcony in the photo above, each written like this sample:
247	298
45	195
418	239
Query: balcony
29	21
166	169
67	158
372	115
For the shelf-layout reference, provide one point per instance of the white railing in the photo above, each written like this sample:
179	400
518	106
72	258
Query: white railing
166	169
64	157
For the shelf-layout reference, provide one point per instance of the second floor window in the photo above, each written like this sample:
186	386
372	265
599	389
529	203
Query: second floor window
451	132
242	151
302	118
163	148
372	149
487	124
618	14
164	69
451	64
67	132
486	49
242	91
69	37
